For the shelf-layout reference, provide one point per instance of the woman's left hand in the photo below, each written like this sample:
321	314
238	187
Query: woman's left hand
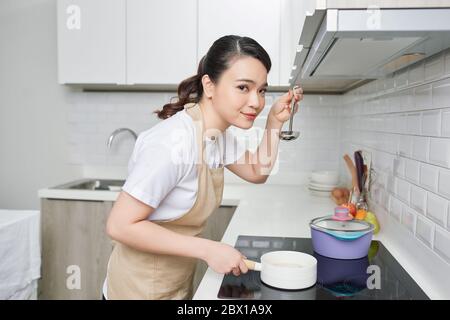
281	109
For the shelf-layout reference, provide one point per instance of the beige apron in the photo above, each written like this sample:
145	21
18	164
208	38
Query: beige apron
134	274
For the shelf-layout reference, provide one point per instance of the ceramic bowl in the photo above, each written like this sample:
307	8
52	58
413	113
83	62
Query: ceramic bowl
325	177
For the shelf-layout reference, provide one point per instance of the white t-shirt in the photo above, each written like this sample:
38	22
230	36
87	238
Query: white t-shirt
162	169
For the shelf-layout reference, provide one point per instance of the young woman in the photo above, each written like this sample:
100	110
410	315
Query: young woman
175	178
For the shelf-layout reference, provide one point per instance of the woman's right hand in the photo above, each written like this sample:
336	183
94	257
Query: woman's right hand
223	258
281	109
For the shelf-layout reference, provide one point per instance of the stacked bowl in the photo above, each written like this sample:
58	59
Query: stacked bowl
321	183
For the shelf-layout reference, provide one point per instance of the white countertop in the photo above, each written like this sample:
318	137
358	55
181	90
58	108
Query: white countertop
285	211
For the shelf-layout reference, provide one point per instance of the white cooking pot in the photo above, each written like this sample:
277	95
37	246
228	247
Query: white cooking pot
290	270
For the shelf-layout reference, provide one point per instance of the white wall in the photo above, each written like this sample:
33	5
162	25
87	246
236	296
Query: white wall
404	120
33	106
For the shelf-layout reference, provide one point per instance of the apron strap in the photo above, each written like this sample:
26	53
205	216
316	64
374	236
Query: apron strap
193	109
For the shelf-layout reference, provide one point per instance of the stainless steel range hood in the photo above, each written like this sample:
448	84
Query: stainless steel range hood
340	49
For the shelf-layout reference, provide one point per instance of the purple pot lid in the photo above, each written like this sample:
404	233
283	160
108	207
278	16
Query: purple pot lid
328	224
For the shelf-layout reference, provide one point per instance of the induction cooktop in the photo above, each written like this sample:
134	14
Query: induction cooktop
377	276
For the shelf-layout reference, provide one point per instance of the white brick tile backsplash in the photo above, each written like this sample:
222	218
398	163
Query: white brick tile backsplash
437	208
447	63
87	128
420	148
429	176
385	162
448	219
414	121
425	230
407	100
391	184
444	183
401	79
405	144
384	199
440	151
403	190
389	123
395	208
442	243
412	170
399	167
422	97
441	94
401	123
107	108
76	158
375	193
76	117
96	159
96	118
390	143
405	121
431	123
416	73
409	217
446	123
434	67
389	83
418	199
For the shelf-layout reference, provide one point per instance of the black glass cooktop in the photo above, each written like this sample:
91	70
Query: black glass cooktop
377	276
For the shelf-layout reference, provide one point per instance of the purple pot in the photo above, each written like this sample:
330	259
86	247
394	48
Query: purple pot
348	243
331	271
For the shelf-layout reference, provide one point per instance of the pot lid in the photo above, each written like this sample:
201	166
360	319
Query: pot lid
328	224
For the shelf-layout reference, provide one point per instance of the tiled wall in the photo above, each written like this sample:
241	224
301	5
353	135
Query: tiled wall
93	116
404	120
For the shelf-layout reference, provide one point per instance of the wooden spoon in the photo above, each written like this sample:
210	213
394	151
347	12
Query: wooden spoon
351	167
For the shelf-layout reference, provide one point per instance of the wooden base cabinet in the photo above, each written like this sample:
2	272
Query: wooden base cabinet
75	248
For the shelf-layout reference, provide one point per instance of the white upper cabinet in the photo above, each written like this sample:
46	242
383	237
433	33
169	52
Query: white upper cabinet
91	41
258	19
147	42
292	17
161	41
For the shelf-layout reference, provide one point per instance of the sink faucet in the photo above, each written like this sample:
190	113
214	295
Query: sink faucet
117	131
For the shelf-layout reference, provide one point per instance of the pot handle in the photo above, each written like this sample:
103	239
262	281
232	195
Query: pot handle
252	265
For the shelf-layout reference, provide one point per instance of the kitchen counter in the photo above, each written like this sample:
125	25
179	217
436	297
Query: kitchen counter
98	195
285	210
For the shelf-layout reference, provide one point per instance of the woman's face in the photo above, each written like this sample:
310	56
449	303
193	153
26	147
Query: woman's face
239	95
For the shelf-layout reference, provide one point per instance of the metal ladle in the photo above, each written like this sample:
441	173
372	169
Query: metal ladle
289	134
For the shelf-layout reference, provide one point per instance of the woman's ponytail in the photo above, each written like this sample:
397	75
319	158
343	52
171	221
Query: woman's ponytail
189	90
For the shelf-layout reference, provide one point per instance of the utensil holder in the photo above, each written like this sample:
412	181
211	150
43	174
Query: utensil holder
361	203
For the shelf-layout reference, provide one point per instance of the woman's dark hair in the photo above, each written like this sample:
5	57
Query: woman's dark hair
217	60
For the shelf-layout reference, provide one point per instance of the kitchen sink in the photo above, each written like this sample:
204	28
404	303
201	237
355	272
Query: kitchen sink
93	184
